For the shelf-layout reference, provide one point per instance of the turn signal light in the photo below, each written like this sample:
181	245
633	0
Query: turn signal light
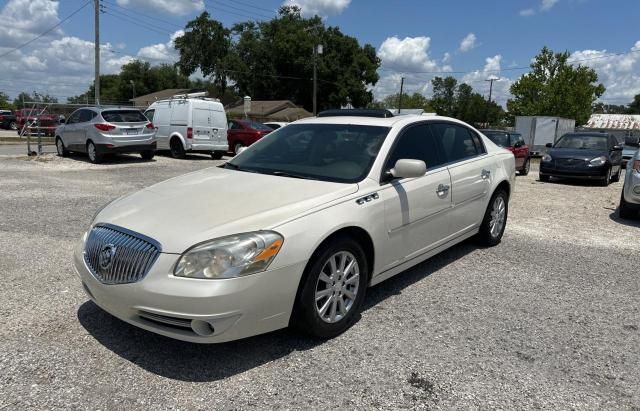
189	132
149	125
636	166
104	126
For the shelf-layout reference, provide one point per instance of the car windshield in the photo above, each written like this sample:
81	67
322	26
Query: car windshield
124	116
582	142
341	153
258	126
501	139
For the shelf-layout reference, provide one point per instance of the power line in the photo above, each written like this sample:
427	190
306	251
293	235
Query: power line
214	6
149	17
242	9
137	23
47	31
253	6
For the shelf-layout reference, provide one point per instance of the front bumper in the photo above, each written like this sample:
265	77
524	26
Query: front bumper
582	172
199	311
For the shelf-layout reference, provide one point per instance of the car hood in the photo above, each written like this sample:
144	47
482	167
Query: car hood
576	153
215	202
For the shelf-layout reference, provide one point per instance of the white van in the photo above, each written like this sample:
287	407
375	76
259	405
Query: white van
190	124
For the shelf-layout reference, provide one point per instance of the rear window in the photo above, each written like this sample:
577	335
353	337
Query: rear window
501	139
124	116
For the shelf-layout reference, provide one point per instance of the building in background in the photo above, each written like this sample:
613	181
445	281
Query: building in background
626	127
269	110
148	99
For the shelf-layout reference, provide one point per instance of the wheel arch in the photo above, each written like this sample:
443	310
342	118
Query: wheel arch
504	185
179	137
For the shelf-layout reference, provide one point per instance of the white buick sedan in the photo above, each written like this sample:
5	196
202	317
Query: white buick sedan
294	229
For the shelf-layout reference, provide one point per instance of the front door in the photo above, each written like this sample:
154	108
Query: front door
70	134
471	174
416	209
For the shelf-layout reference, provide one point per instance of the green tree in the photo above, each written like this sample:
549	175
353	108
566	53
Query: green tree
444	95
601	108
415	100
555	87
30	98
5	103
634	107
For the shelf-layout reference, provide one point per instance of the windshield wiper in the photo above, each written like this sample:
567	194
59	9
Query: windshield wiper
286	174
238	168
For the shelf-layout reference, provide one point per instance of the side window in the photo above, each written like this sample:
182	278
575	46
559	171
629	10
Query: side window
74	118
149	114
85	115
416	143
477	141
457	142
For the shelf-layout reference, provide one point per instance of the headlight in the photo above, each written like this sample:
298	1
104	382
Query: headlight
228	257
546	158
598	161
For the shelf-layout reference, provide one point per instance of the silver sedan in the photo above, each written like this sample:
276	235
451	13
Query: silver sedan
630	197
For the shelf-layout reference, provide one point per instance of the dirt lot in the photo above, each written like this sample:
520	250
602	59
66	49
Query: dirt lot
550	318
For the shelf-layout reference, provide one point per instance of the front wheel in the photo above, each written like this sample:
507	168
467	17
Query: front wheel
495	219
544	178
525	168
237	147
616	178
607	178
333	290
147	155
625	211
13	126
62	151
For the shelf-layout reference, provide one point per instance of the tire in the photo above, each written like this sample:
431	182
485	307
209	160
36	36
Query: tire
326	317
525	168
616	178
177	150
62	150
237	148
544	179
13	126
147	155
216	155
495	219
625	211
94	156
607	179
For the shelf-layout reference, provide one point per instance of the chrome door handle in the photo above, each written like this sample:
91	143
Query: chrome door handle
442	190
485	174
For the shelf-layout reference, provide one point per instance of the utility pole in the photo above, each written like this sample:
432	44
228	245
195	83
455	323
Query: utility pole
97	52
317	50
400	98
490	80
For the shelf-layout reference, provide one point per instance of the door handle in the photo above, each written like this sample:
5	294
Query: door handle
442	190
485	174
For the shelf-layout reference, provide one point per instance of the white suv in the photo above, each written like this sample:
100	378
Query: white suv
190	124
295	228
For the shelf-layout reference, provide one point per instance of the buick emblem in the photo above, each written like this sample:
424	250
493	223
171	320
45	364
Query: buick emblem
106	256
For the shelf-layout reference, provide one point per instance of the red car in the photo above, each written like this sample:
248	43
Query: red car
39	121
243	133
514	143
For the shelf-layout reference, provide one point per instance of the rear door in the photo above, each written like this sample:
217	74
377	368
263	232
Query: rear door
219	123
162	120
471	172
615	155
416	209
202	123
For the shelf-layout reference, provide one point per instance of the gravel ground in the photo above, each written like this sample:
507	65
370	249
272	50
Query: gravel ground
548	319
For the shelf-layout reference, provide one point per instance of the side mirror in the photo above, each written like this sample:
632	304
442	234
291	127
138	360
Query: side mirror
517	144
406	168
549	145
618	148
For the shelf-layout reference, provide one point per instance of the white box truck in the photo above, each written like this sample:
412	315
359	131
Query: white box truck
540	130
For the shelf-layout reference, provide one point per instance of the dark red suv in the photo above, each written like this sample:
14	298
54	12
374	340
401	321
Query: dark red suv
514	143
243	133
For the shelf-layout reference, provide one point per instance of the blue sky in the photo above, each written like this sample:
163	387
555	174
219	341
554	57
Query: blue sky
410	36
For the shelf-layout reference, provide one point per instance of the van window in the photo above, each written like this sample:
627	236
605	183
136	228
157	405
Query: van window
149	114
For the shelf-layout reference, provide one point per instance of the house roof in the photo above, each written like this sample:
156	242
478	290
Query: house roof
262	108
290	114
614	122
147	99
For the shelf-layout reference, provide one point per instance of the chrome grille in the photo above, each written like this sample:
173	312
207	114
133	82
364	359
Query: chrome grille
570	162
116	255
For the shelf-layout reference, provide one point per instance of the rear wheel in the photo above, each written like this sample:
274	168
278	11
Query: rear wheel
616	177
13	125
147	155
237	147
626	212
216	155
94	156
177	150
333	289
607	178
525	168
62	151
495	219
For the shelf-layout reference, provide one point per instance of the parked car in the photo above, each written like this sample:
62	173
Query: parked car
8	120
243	133
628	151
301	223
583	155
630	197
190	125
274	125
38	121
515	143
99	131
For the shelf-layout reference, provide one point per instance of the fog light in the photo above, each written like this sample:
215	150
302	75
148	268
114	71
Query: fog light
636	189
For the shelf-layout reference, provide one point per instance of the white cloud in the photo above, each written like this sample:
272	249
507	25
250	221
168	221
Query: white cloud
527	12
180	7
447	58
545	6
162	52
319	7
468	42
22	20
491	70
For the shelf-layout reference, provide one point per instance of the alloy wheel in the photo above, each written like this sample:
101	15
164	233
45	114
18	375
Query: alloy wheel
60	147
498	214
91	152
337	287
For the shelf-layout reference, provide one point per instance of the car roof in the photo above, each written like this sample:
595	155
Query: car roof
378	121
587	133
492	130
